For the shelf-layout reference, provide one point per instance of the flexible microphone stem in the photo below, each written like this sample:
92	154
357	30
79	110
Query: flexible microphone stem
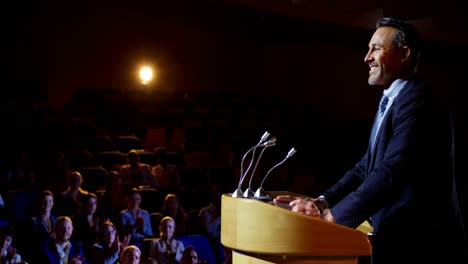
249	193
260	193
238	192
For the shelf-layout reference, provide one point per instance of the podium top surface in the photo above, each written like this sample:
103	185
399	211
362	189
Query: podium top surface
256	226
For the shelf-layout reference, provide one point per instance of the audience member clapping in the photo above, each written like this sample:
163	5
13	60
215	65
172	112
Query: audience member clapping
87	222
59	248
130	255
108	247
8	254
134	220
166	249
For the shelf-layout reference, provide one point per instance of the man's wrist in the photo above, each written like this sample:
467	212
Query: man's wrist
323	201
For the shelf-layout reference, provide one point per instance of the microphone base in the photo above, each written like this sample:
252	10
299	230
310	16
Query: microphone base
238	194
248	193
265	198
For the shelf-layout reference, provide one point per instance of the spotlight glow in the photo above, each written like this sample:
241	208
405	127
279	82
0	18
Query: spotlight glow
146	74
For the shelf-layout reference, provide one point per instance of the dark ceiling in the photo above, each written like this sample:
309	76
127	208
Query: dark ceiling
438	20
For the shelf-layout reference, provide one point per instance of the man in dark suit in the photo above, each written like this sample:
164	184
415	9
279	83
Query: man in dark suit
403	182
59	248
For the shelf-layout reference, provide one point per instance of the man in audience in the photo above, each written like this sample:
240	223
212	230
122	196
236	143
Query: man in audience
59	248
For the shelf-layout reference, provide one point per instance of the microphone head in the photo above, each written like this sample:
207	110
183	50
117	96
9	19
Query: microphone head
264	137
291	152
270	142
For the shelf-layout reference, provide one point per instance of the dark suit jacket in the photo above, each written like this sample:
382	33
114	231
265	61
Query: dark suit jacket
403	186
50	255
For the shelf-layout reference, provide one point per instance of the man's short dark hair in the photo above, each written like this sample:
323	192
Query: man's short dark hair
406	35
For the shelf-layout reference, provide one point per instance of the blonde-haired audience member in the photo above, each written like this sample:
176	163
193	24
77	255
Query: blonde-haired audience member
130	255
172	207
60	249
166	249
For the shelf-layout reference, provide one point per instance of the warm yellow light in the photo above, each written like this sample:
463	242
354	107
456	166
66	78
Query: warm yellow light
146	74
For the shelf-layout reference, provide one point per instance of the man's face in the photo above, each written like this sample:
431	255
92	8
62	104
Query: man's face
384	59
47	202
64	230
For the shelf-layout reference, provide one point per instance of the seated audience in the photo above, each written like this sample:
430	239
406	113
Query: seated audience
113	201
210	218
189	256
21	174
41	226
87	222
69	202
108	247
134	220
166	249
8	254
166	176
43	223
135	173
173	208
59	248
130	255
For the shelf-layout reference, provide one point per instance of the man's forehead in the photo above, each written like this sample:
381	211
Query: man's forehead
382	37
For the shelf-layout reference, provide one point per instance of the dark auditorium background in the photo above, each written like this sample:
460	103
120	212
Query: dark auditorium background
291	67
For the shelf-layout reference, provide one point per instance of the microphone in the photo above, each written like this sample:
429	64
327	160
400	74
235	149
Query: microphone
260	193
238	192
249	193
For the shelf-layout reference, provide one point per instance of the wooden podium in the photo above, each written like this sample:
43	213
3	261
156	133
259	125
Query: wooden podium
260	232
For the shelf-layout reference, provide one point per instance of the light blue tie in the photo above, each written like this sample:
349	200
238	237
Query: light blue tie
378	120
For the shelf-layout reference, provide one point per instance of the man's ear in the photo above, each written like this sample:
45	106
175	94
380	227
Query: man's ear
406	51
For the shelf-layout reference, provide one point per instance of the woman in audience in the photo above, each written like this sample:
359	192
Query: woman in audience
189	256
166	249
134	220
108	246
173	208
87	222
130	255
8	254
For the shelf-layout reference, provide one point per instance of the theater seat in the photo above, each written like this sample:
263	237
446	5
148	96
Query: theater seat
202	245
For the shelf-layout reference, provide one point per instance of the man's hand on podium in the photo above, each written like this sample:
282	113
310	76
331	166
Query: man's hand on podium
315	207
327	216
